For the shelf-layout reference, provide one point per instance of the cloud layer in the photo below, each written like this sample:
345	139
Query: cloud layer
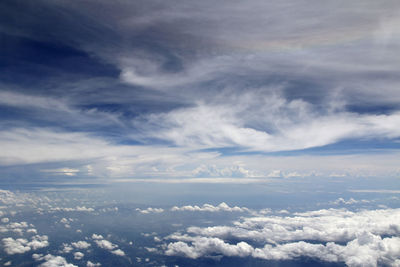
363	238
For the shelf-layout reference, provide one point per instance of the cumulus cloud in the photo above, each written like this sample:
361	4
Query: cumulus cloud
351	201
118	252
150	210
96	236
77	208
16	246
16	227
361	238
66	222
81	245
67	248
92	264
21	245
230	171
52	261
78	255
107	245
210	208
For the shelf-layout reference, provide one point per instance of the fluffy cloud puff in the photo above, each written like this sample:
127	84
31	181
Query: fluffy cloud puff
78	255
363	238
107	245
52	261
21	245
81	244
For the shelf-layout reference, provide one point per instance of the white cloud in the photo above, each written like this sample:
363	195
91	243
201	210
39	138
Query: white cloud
81	245
78	255
96	236
294	125
91	264
67	248
52	261
38	242
77	208
351	201
152	250
150	210
118	252
16	246
105	244
63	171
210	208
339	57
21	245
362	238
33	231
16	227
121	161
229	171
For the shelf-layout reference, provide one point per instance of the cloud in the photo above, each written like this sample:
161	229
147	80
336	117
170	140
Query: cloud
63	171
81	245
96	236
52	261
91	264
288	125
107	245
381	191
349	202
150	210
77	208
118	252
16	227
21	245
366	237
67	248
210	208
230	171
260	82
78	255
17	246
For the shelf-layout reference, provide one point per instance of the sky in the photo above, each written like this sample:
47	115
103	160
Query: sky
159	97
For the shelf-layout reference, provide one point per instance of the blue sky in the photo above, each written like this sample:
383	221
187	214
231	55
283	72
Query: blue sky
149	89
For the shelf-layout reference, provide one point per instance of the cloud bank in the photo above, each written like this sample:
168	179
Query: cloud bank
361	238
